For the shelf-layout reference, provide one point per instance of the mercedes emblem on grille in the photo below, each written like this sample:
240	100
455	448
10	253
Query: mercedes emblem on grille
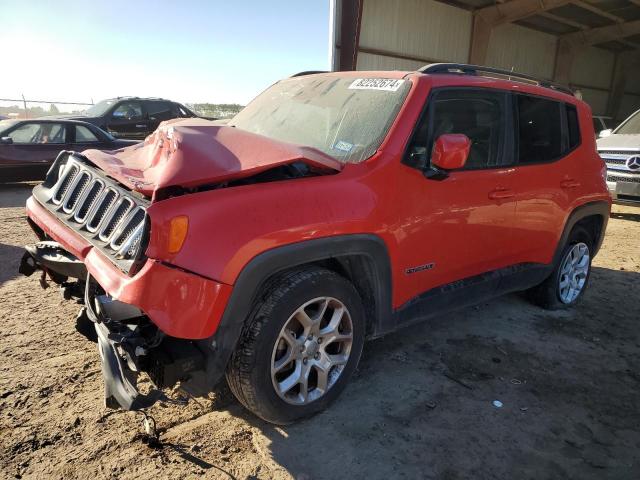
633	163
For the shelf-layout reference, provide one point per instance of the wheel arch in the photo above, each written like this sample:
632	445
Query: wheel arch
361	258
592	216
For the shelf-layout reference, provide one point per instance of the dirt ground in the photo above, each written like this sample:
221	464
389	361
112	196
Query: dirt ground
569	383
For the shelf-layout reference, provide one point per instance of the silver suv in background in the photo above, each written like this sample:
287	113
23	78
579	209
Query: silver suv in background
620	150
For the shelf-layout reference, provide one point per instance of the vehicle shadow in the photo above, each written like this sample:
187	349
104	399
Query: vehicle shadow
10	256
15	194
634	217
421	402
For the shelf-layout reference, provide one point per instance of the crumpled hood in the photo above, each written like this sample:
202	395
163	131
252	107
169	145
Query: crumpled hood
192	152
614	142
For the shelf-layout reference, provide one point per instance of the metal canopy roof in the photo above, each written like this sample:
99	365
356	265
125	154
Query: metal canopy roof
615	24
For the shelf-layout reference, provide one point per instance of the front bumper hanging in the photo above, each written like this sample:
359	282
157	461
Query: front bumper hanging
119	348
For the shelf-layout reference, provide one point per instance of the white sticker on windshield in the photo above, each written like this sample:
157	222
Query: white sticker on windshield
343	146
387	84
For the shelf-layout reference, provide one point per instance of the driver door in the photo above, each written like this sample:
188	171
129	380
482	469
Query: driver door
460	226
128	121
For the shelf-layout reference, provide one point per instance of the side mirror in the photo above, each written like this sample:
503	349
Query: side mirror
605	133
6	140
450	151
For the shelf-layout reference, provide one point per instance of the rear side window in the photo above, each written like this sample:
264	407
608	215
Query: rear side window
539	129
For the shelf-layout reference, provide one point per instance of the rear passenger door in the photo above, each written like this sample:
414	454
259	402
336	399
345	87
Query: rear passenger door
158	111
547	173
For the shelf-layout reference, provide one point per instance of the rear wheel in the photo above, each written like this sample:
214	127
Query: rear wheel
299	347
570	277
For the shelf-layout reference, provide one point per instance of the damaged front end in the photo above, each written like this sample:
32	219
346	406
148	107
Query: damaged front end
128	342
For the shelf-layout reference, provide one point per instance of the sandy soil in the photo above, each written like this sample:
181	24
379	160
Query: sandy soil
569	383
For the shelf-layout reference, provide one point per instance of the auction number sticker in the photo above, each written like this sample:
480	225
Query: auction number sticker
386	84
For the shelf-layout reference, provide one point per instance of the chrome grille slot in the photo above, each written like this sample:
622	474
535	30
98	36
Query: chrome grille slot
130	245
102	207
88	198
62	185
127	227
114	217
74	192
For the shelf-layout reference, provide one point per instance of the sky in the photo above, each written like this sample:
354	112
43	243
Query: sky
215	51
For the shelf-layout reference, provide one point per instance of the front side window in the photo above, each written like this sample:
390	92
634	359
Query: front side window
539	129
480	115
128	111
343	117
84	135
38	133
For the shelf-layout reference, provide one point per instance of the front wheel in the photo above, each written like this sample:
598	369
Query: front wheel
570	277
299	346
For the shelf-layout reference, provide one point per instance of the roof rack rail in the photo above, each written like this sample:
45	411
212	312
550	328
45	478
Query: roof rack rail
465	69
307	72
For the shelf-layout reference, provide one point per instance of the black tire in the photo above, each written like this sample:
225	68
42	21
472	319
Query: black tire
547	294
249	370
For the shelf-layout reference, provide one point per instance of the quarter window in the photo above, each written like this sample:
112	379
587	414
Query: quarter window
573	126
539	129
84	135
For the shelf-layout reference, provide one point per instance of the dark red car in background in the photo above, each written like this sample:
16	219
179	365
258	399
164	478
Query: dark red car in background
28	147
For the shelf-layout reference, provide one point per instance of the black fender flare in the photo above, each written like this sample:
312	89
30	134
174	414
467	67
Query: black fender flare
253	276
599	208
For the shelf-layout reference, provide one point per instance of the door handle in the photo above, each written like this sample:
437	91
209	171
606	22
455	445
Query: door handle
569	184
140	125
501	194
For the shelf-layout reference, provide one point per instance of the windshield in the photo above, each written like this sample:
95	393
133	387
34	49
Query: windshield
631	126
344	117
99	108
5	124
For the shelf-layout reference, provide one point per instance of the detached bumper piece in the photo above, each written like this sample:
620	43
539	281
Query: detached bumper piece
130	344
51	259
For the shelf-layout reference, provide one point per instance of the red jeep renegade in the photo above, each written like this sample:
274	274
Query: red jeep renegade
334	208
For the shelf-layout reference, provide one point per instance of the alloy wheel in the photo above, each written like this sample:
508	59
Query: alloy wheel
573	273
312	350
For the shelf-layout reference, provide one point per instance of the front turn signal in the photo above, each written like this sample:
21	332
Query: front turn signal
177	233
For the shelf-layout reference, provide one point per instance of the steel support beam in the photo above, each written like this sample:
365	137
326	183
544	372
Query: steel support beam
480	38
516	10
625	61
597	35
350	19
487	18
571	44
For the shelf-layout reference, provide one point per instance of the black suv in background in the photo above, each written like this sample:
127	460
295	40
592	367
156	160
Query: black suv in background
132	117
